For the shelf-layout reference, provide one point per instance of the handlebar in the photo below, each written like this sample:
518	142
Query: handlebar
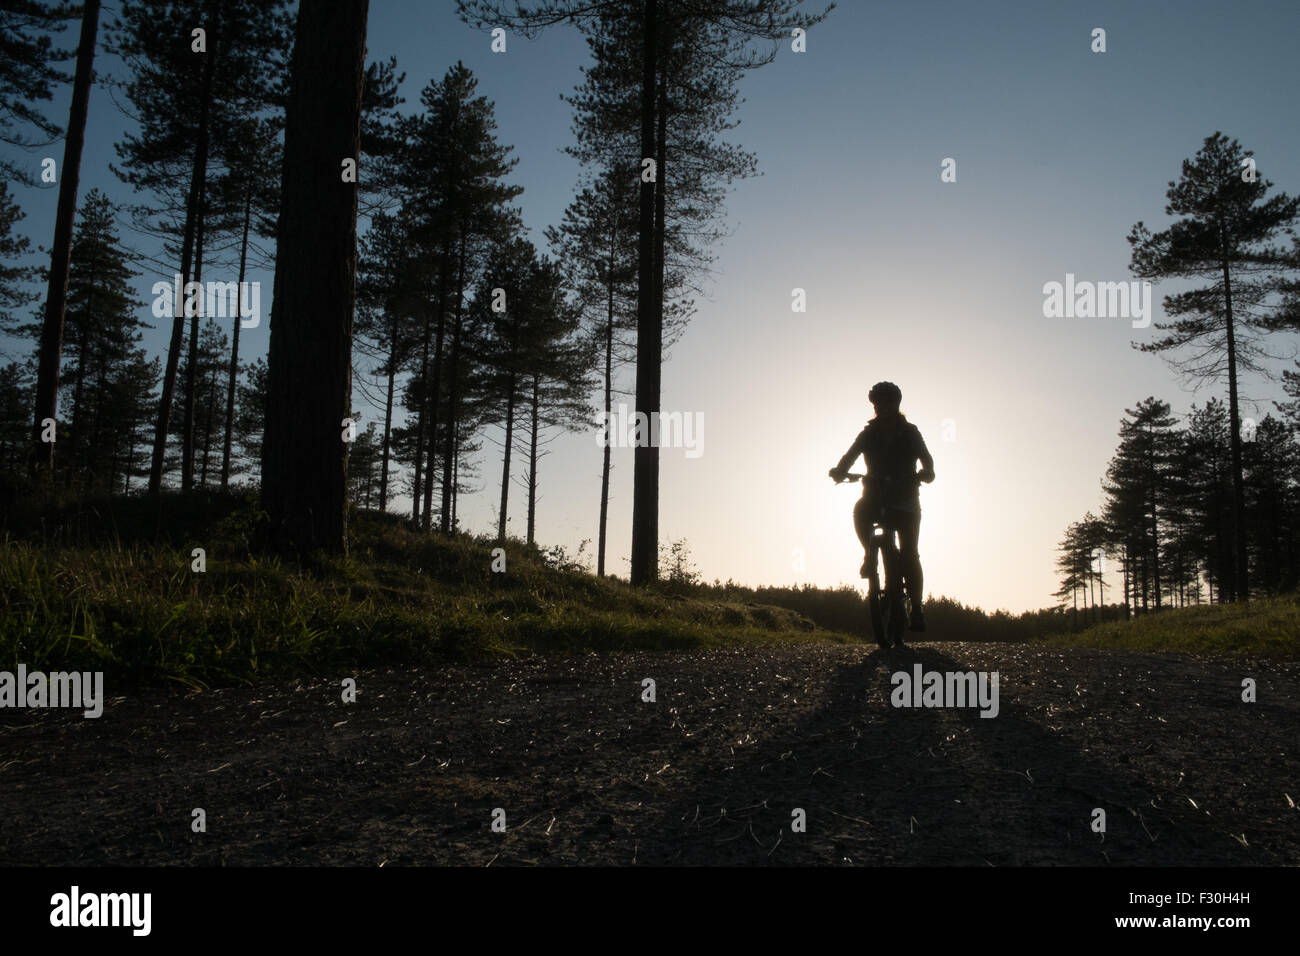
885	479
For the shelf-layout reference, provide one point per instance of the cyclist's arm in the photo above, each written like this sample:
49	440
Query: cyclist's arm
850	456
926	473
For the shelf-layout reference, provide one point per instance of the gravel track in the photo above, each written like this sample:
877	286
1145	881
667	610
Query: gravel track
710	773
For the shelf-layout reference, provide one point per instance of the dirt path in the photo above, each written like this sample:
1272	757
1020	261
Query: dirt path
587	772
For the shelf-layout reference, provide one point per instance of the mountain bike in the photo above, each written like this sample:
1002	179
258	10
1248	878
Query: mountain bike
890	608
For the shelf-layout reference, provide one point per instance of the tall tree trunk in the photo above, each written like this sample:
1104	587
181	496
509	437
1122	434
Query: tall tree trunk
455	479
130	462
1241	584
192	361
1155	546
97	430
433	397
234	347
605	463
1127	560
532	460
388	414
505	465
421	422
1144	583
76	424
1101	582
197	186
56	296
211	401
453	395
309	389
649	328
370	476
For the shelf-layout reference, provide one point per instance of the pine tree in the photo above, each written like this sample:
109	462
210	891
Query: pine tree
15	276
389	298
534	357
363	467
1207	489
381	137
247	201
106	386
451	176
658	31
1290	410
15	409
103	334
51	339
505	308
1272	463
129	404
1181	526
250	421
211	377
558	373
1071	565
27	77
596	241
1223	236
1136	488
199	69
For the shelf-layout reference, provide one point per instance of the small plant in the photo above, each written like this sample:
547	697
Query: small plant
557	558
676	567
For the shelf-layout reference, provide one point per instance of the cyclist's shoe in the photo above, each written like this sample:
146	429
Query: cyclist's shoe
918	620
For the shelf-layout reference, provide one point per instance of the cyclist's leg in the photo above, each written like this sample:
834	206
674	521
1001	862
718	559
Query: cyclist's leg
909	534
863	515
862	520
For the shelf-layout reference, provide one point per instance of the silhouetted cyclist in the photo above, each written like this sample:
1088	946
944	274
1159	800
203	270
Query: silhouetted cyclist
891	446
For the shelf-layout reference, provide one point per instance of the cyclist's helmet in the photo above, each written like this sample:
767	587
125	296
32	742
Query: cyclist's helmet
885	393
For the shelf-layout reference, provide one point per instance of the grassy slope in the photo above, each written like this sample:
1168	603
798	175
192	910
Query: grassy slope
88	600
1266	626
110	587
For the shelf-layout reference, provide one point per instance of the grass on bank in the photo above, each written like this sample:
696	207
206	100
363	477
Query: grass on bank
1266	626
93	594
110	586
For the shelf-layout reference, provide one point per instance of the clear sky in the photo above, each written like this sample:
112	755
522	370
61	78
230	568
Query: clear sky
937	286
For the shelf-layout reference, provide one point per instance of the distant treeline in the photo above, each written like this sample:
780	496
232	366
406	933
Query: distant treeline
1166	525
844	609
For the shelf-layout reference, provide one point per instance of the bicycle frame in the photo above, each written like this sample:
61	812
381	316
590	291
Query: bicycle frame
889	609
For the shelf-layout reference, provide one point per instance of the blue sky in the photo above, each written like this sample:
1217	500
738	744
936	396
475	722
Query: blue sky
936	286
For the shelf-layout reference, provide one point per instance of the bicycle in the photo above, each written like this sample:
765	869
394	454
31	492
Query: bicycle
889	611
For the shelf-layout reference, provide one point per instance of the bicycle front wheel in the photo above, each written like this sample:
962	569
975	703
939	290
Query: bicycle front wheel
879	620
